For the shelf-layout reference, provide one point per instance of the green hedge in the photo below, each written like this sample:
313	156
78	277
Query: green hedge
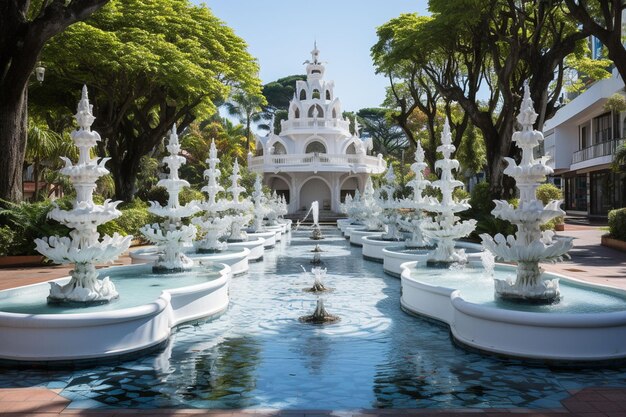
617	223
129	223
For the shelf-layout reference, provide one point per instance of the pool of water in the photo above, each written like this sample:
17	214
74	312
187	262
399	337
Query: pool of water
134	290
477	286
258	355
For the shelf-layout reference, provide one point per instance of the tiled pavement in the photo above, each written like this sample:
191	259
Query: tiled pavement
590	262
42	402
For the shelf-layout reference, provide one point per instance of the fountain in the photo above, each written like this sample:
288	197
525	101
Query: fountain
390	206
238	208
530	245
317	257
367	212
261	206
320	315
316	234
318	279
212	226
417	247
446	227
413	223
84	247
171	236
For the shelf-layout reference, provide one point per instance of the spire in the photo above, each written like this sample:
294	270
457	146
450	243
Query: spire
314	68
315	53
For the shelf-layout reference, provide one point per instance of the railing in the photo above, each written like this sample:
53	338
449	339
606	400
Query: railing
597	150
316	160
310	122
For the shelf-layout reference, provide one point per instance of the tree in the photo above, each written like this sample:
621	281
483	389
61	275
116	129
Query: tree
603	19
248	107
146	73
387	137
493	45
278	95
25	27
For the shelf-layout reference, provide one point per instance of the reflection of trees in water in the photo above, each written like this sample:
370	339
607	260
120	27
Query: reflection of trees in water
225	373
315	351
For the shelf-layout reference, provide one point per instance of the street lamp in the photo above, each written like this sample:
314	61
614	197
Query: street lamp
40	71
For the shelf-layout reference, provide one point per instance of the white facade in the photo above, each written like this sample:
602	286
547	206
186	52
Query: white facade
581	139
315	157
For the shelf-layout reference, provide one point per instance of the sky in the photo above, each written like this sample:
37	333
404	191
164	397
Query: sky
280	34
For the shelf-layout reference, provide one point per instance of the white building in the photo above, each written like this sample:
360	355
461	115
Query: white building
315	157
582	138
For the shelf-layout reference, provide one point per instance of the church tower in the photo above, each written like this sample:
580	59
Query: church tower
314	157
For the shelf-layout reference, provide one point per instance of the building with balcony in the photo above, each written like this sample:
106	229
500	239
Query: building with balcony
315	157
582	138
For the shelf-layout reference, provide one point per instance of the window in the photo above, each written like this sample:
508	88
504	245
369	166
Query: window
315	147
584	135
327	94
602	128
334	113
351	150
279	149
316	93
303	94
297	113
316	111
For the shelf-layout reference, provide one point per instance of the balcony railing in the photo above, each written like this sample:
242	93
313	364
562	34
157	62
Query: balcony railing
311	122
597	150
311	161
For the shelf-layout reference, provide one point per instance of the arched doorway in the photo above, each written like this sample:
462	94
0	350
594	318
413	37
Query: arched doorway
315	147
315	190
349	186
280	186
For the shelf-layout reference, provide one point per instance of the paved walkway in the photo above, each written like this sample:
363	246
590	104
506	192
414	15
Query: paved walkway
589	262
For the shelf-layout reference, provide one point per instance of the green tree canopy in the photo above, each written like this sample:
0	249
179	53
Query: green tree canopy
148	65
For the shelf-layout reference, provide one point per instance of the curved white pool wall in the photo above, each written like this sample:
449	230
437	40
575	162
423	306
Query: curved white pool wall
349	229
356	236
342	224
393	257
256	247
542	336
269	236
237	261
373	247
54	337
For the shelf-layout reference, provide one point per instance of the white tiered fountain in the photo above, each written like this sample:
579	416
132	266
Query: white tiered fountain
239	209
261	208
171	236
530	245
84	247
212	226
446	227
389	205
418	203
367	213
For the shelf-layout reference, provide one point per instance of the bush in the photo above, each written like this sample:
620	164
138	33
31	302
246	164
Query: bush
482	205
129	223
7	236
617	224
28	221
480	199
548	192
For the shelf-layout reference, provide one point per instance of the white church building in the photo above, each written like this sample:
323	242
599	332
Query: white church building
315	157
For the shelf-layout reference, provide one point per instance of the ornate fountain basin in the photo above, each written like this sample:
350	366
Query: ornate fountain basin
342	224
235	258
268	235
83	334
395	256
357	235
373	246
256	246
565	334
347	231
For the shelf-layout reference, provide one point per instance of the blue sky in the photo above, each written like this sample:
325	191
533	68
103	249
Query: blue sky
280	34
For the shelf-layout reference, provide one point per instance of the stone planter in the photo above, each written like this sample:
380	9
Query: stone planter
613	243
20	260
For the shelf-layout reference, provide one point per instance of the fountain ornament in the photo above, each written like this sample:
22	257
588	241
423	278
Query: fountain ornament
530	245
320	315
418	203
238	208
446	227
318	279
367	210
171	236
390	206
211	225
277	207
316	234
262	206
83	247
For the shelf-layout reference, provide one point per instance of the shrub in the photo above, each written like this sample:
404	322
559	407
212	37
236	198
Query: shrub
7	236
29	221
617	223
129	223
480	199
548	192
188	194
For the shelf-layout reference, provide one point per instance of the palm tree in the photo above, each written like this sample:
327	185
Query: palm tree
248	108
44	149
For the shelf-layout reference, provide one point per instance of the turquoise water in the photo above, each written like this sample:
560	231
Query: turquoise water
258	355
477	286
134	290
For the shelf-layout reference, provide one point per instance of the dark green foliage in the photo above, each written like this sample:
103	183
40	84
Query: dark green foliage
482	205
28	221
129	223
617	223
7	236
548	192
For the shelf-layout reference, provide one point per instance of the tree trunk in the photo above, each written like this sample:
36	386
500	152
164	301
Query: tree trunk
13	119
